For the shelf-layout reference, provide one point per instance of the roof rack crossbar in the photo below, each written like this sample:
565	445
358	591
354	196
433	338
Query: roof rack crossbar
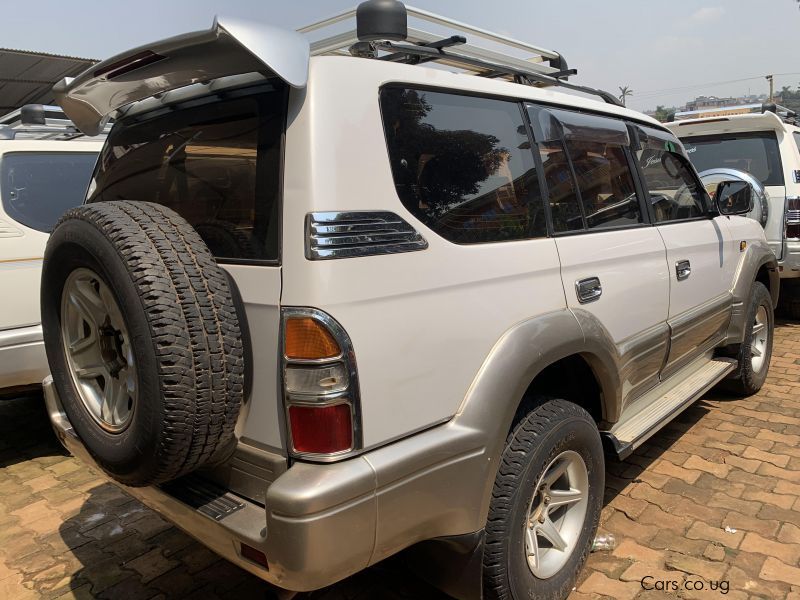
543	68
41	122
491	69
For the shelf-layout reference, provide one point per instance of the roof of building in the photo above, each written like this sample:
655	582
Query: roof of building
28	77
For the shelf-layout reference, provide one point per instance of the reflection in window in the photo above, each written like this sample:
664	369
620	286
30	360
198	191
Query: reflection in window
675	192
463	165
38	187
564	206
217	165
605	183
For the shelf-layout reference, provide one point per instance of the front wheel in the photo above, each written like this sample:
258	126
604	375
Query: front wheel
545	504
755	351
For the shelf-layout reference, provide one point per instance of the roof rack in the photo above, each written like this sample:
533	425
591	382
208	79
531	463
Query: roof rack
721	112
381	24
39	122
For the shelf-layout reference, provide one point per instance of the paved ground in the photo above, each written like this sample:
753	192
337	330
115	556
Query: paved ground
726	463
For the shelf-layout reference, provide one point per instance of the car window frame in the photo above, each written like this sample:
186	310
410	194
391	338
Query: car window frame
709	213
8	153
271	85
471	94
629	156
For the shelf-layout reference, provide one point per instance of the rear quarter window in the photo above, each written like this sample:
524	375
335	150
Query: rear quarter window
463	165
38	187
754	152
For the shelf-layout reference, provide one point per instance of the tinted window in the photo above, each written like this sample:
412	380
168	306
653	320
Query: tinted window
757	153
37	188
797	139
217	165
463	165
586	153
674	190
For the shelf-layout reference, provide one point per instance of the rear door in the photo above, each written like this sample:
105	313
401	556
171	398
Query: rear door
700	256
756	152
613	264
217	163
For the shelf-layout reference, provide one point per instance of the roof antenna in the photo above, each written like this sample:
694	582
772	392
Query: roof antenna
381	20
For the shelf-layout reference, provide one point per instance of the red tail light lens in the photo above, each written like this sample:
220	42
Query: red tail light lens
321	429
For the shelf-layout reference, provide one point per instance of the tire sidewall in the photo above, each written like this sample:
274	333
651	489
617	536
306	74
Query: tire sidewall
751	380
75	244
576	432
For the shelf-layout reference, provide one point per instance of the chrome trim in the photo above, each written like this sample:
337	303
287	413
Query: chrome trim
588	290
351	395
331	235
791	217
683	269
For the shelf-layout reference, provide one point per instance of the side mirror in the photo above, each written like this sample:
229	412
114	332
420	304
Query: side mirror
734	197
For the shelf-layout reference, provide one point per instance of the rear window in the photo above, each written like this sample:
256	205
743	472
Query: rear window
38	187
463	165
756	152
217	165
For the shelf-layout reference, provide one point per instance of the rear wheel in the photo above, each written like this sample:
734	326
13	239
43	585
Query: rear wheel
545	504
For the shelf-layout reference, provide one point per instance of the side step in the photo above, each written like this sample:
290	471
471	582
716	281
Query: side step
662	404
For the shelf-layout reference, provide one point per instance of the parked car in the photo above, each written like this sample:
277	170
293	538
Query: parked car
44	170
763	140
440	293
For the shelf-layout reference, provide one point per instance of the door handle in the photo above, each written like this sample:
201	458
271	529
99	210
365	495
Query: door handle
683	268
588	290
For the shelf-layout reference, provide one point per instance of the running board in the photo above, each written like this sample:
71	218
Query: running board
662	404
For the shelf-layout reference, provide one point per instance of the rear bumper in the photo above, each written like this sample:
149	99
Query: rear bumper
22	357
790	265
322	523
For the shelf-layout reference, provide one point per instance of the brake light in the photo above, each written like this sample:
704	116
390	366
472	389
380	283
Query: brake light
320	386
321	429
793	217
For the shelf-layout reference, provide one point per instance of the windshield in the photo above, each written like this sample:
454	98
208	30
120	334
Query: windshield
38	187
757	153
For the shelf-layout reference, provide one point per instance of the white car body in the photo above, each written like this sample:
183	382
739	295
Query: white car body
447	337
22	356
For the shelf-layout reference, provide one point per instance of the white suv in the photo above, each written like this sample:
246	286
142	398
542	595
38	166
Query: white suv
763	140
44	170
320	308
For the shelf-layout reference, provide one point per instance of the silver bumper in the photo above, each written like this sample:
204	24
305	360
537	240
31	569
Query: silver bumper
790	265
22	357
322	523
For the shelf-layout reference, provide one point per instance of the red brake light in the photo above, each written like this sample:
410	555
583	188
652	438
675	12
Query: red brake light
321	429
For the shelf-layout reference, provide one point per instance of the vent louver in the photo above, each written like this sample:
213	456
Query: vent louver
332	235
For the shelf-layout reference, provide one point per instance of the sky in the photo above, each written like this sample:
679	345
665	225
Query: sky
666	52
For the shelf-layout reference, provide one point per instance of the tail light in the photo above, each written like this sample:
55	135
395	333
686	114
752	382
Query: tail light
320	386
793	217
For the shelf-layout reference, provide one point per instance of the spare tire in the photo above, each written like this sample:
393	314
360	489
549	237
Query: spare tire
143	340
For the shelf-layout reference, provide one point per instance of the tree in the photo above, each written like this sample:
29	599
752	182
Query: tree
662	113
626	91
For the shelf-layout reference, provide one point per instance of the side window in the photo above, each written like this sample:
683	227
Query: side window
463	165
587	169
673	188
797	139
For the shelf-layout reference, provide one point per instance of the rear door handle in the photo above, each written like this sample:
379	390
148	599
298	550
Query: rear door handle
588	290
683	268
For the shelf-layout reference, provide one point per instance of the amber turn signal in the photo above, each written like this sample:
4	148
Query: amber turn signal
308	339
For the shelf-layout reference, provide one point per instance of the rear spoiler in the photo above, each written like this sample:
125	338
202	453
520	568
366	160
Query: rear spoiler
230	47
